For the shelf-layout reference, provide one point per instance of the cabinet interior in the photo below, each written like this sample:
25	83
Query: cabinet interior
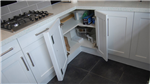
76	33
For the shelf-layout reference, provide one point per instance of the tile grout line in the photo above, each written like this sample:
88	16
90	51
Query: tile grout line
89	72
19	9
120	78
81	69
99	75
103	77
94	66
84	78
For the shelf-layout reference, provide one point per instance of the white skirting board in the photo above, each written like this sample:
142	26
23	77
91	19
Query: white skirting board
119	59
130	62
49	78
74	54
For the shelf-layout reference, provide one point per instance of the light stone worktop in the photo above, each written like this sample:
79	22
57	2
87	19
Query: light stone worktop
64	8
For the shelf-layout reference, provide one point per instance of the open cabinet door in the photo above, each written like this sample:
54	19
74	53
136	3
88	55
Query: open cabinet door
102	34
56	48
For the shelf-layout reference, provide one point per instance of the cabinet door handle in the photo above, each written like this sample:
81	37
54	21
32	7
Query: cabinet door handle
52	39
25	64
30	59
108	27
41	32
6	51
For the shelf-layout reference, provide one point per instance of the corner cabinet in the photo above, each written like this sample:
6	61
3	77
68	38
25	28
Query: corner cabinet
140	49
56	45
56	48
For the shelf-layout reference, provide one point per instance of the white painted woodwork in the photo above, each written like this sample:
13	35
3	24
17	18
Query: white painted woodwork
57	49
140	49
120	32
113	35
13	44
102	31
40	57
73	54
31	37
72	23
14	70
74	45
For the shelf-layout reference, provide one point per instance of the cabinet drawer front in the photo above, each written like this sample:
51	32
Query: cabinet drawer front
9	49
33	35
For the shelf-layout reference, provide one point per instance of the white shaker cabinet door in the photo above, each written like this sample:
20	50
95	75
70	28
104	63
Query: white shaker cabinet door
102	34
39	60
120	32
140	48
57	50
15	70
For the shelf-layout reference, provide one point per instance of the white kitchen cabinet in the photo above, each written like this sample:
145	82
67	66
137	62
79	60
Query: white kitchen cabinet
36	53
102	33
99	34
140	49
120	32
15	69
57	50
56	45
39	60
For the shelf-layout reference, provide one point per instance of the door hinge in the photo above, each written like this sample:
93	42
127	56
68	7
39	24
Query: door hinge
95	45
61	24
68	54
61	71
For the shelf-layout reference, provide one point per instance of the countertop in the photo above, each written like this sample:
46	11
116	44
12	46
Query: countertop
64	8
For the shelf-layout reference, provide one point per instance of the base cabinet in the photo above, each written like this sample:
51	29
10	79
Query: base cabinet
120	32
39	60
15	70
140	49
47	53
56	48
56	44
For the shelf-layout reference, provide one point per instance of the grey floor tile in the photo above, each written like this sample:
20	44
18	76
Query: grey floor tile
73	76
85	61
90	69
136	71
110	70
132	79
95	79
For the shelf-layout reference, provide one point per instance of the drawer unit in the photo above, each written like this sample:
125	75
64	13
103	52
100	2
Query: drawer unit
9	49
34	35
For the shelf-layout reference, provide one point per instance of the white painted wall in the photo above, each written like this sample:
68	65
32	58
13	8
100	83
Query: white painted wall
113	0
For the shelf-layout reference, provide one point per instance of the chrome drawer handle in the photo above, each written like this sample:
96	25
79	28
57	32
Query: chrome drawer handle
30	59
6	51
41	32
25	64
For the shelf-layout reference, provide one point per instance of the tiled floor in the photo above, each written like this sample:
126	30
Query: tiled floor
90	69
